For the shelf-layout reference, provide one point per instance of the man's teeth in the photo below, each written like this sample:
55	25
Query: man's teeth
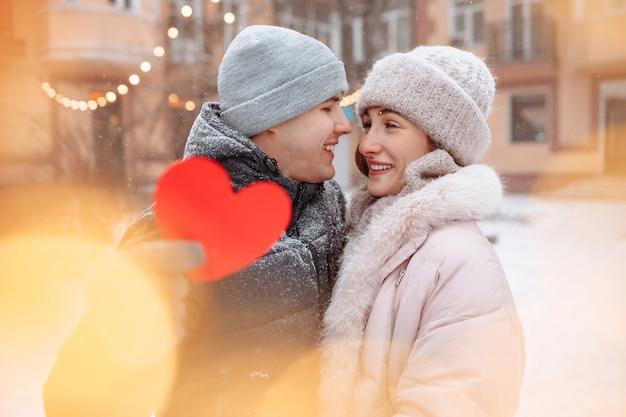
329	147
380	167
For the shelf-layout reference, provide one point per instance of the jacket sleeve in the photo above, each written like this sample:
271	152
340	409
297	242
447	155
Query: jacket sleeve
281	283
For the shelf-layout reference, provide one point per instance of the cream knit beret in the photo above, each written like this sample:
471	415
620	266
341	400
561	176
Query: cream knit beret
446	91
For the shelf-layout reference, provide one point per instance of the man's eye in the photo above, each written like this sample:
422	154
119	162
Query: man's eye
391	124
366	125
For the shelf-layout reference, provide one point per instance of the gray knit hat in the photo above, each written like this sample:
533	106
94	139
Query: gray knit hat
271	74
446	91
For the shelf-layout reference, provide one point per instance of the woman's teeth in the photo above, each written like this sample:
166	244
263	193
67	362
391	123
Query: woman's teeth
380	167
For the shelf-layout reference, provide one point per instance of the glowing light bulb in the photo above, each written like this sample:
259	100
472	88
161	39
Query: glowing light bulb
158	51
186	10
229	18
134	79
172	33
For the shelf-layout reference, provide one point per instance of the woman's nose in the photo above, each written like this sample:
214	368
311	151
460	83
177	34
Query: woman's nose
369	144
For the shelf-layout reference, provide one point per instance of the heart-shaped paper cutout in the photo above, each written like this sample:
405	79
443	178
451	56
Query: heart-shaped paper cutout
195	200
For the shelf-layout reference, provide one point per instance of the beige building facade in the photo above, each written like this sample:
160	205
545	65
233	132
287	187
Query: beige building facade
560	107
102	91
106	90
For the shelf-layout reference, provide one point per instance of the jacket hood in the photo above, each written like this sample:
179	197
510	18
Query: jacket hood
211	137
245	161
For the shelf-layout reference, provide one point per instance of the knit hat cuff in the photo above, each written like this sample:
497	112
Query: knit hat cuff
293	98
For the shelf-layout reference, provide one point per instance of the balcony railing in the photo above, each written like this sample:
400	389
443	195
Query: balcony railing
522	41
81	41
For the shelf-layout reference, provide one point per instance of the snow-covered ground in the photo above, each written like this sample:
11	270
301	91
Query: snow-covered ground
566	262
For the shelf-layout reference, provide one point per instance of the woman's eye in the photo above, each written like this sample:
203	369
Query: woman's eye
391	124
366	125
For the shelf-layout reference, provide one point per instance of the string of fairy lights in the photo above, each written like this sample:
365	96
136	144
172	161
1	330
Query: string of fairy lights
102	99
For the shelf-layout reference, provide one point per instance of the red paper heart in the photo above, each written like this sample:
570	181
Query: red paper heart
194	200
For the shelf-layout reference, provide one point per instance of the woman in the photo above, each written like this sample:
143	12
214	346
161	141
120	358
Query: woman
422	321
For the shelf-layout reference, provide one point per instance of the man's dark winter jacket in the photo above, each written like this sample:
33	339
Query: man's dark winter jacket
253	345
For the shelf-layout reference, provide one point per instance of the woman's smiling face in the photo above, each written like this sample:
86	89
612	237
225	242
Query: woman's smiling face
389	144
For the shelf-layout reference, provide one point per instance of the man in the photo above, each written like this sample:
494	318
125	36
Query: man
250	345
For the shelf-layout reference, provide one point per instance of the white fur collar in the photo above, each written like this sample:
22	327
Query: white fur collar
469	193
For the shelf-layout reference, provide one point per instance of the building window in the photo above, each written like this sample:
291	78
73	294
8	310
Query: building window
616	5
129	5
322	24
396	31
6	19
186	34
528	118
358	46
530	36
108	143
612	118
467	24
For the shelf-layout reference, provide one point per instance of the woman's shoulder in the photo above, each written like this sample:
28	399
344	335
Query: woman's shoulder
461	235
460	246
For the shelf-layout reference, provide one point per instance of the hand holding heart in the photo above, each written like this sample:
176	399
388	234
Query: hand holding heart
195	200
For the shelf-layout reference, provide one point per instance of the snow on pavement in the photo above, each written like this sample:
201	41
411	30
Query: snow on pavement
566	262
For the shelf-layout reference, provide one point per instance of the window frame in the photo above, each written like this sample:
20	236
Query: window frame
469	35
132	6
612	8
6	19
547	116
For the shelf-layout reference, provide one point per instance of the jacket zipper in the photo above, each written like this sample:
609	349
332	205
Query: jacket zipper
402	272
